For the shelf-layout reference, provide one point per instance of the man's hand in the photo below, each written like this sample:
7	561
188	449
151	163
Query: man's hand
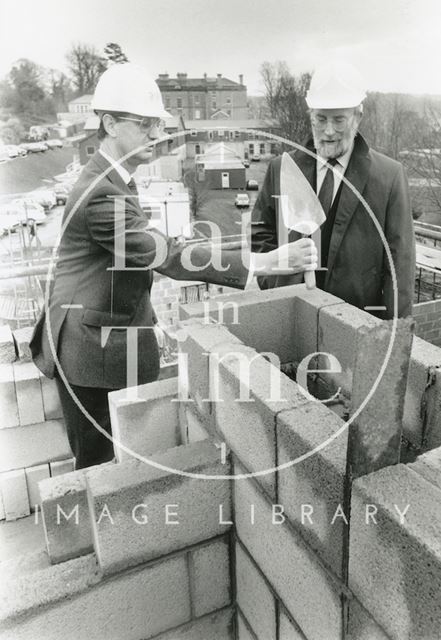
291	258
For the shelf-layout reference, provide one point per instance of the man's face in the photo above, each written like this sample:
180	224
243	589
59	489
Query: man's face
334	130
134	132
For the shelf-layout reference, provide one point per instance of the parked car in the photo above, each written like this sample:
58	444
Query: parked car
62	191
242	201
35	147
246	163
28	209
14	151
45	197
255	157
252	185
54	144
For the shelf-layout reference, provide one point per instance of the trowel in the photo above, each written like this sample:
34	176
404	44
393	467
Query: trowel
300	206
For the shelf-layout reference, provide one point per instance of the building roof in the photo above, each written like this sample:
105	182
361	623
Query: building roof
231	124
220	156
87	97
181	82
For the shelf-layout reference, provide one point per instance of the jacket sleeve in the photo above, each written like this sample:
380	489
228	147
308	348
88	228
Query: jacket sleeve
135	244
399	232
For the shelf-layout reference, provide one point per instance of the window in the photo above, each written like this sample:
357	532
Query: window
210	135
196	100
262	147
90	150
231	135
167	103
251	148
197	114
221	133
194	133
213	104
179	103
197	149
237	134
228	100
273	148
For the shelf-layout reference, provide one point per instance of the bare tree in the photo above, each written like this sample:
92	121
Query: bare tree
285	95
198	191
86	66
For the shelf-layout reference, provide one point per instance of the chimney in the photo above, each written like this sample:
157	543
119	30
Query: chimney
219	75
163	76
240	78
181	76
219	79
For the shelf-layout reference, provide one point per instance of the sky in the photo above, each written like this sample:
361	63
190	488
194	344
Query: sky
394	43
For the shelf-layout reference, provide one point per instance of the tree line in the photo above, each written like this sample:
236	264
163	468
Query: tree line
31	94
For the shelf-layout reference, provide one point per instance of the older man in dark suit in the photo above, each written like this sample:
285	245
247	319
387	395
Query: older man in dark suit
103	274
353	257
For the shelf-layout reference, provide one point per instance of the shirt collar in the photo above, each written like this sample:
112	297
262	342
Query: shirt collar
342	161
125	175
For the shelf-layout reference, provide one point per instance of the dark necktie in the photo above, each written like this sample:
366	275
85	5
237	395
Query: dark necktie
132	186
325	196
327	189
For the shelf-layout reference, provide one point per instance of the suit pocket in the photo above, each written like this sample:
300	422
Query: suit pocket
93	318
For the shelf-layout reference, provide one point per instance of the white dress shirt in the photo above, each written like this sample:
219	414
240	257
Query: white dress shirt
339	170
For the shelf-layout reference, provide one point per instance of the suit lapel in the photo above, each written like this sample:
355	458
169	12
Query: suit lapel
356	174
103	165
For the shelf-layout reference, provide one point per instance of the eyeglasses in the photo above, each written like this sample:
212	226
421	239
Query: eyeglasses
146	124
339	123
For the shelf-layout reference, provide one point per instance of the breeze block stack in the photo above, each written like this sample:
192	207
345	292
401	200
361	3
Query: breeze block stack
33	441
230	513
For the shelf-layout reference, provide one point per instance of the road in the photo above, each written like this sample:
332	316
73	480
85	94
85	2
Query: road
32	171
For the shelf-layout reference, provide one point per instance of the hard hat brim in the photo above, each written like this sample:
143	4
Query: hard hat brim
334	103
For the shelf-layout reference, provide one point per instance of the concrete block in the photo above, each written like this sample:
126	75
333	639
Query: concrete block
251	393
254	597
66	518
308	304
7	347
314	590
22	447
361	626
137	604
375	434
424	359
8	398
196	430
61	467
338	335
428	466
243	630
128	503
15	494
51	399
22	338
210	574
33	477
394	567
148	424
217	626
316	484
28	389
431	411
201	341
287	630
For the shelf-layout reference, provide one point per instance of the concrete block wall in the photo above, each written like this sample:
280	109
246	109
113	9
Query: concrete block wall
428	321
140	580
32	434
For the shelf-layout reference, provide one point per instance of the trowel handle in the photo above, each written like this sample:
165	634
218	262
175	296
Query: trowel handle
309	275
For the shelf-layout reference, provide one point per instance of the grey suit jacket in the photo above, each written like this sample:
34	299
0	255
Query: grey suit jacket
358	269
103	297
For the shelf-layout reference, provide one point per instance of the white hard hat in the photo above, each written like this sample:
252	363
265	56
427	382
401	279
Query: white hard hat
129	88
336	85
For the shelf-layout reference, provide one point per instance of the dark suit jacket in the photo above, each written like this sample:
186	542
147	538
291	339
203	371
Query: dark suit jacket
83	276
358	269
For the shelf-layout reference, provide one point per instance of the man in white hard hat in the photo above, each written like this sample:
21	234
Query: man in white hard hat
353	257
103	276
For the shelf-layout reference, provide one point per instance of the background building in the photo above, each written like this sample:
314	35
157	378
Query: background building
204	98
